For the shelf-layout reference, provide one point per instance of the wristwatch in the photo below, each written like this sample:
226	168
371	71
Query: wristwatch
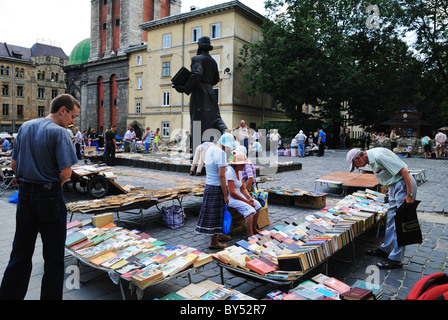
411	195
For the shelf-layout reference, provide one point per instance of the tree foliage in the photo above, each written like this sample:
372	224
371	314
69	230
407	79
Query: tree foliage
325	52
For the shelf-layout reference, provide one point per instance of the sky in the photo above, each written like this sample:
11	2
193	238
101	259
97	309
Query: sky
64	23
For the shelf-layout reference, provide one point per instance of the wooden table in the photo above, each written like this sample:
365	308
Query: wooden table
347	180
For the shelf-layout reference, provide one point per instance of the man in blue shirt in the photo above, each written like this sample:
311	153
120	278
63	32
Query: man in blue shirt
5	144
321	142
42	158
391	171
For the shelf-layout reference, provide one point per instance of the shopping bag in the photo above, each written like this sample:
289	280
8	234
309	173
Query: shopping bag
14	197
173	216
407	226
226	221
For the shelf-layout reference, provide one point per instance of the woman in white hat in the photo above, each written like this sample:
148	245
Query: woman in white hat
239	197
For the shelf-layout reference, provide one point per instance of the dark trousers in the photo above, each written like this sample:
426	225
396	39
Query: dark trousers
78	151
39	210
321	149
109	153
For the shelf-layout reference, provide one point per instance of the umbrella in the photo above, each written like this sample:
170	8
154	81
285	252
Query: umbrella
443	129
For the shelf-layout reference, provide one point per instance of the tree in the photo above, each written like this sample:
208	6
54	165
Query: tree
326	52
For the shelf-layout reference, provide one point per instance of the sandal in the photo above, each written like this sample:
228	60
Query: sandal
377	253
218	246
389	264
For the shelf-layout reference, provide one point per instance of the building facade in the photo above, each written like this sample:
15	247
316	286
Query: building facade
101	80
172	42
29	78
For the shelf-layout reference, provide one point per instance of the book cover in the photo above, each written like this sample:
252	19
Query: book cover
357	293
103	258
259	266
75	238
181	77
291	262
336	284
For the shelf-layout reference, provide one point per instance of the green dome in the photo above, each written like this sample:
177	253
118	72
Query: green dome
80	53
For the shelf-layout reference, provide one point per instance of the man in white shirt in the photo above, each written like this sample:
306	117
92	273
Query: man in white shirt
440	144
129	140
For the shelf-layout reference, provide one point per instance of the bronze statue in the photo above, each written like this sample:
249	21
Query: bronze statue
203	101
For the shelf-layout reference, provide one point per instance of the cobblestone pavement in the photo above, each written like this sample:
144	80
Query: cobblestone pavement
348	264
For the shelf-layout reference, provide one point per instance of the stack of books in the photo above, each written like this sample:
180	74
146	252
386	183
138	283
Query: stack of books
134	255
293	248
206	290
322	287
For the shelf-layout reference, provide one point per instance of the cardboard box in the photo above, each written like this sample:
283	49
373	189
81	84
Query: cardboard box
238	222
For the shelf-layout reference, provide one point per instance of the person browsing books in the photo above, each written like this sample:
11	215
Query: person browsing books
41	159
391	171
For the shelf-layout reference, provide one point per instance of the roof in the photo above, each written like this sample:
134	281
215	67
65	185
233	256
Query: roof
40	49
204	11
80	53
10	51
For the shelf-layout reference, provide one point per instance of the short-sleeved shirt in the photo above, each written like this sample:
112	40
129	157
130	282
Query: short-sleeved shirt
248	172
386	165
110	135
215	158
321	136
42	148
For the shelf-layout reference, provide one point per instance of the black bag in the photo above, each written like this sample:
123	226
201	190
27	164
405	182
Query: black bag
407	226
173	216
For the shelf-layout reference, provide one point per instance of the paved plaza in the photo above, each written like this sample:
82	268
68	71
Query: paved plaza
348	264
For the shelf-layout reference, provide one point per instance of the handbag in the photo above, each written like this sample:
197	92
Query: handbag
226	221
261	197
407	226
173	216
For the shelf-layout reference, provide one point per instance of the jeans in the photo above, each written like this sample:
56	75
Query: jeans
39	210
397	192
301	148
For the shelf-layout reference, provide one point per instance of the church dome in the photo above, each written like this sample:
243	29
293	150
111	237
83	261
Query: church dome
80	53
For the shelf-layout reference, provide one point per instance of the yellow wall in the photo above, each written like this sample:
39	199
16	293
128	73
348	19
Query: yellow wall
235	31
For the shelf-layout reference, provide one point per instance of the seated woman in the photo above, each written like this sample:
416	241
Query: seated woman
249	171
239	197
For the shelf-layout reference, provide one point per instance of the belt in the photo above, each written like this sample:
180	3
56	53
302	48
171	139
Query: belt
48	185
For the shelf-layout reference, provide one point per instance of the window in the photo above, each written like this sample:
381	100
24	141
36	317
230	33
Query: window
54	93
217	58
216	91
117	22
2	70
41	93
166	41
20	110
5	110
166	69
139	60
165	98
104	26
139	83
196	34
19	91
165	129
41	111
138	107
215	31
5	90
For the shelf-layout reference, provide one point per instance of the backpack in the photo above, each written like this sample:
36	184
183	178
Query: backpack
432	287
